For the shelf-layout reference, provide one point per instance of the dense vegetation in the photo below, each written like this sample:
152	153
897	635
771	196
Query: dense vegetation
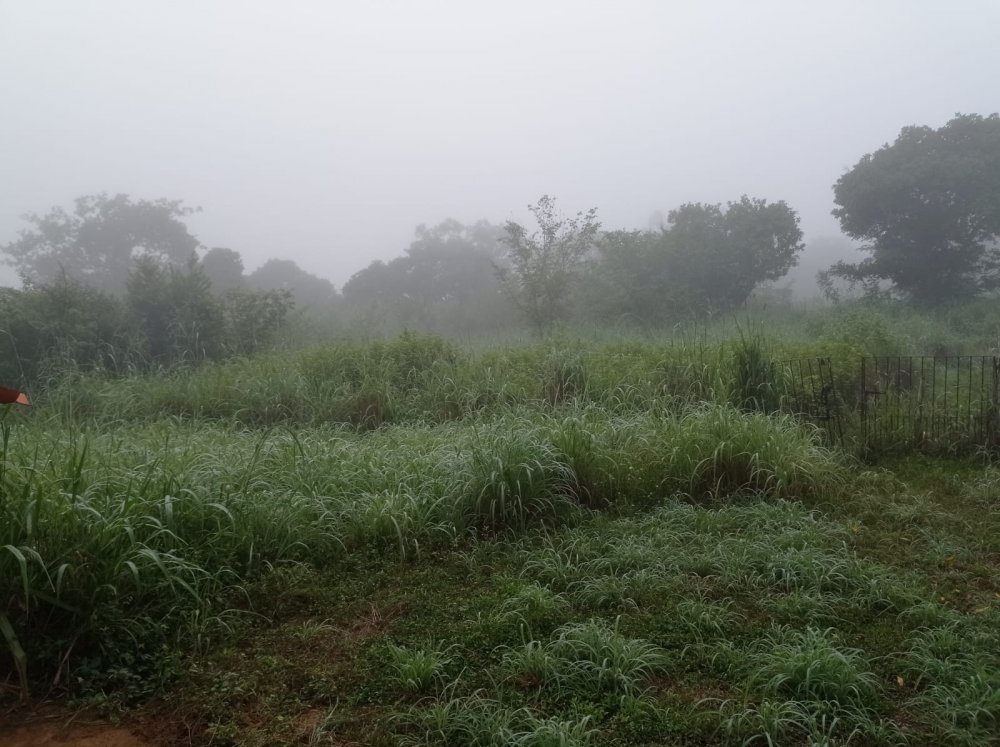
555	543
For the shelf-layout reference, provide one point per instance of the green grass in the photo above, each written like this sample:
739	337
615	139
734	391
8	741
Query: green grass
409	543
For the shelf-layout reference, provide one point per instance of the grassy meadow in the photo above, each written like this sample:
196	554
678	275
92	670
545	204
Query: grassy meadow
615	539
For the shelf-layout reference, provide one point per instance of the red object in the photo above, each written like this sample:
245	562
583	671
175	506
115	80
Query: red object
12	397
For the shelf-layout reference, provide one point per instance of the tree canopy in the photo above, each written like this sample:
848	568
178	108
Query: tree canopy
98	243
928	208
722	255
284	274
445	281
224	268
708	258
543	265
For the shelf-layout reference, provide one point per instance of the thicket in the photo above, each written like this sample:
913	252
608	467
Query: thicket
167	319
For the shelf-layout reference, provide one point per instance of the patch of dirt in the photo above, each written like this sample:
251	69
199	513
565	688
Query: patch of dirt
69	733
375	621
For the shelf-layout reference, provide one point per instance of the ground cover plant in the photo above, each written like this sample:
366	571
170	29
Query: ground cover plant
411	542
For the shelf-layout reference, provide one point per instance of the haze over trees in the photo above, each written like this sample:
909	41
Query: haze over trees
286	275
928	208
445	282
99	241
118	281
117	284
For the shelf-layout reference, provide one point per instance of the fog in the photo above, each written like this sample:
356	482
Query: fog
325	132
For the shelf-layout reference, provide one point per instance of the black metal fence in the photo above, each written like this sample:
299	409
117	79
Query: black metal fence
883	402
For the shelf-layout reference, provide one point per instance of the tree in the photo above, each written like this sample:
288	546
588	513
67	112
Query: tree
631	279
445	282
720	256
178	315
707	258
254	318
543	266
284	274
224	267
99	241
928	207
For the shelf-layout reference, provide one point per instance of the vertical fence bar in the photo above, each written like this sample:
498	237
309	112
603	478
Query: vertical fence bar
934	401
943	410
981	431
970	421
864	400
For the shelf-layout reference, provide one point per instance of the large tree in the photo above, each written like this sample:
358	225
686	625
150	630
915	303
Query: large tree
543	266
720	255
706	258
445	282
928	208
98	243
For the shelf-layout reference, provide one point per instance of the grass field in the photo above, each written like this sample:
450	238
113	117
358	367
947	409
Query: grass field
411	543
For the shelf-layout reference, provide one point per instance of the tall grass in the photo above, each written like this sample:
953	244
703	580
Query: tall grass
125	534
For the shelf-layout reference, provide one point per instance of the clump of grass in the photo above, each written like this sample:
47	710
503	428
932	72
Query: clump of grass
534	606
966	712
803	684
478	721
756	374
774	722
810	665
719	452
586	659
589	446
418	670
516	477
564	377
705	618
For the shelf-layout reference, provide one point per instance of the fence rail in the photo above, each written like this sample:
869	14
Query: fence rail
947	402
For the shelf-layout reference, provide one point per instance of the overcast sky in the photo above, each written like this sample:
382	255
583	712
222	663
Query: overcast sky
326	131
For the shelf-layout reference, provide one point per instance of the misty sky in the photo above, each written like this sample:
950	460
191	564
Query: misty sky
326	131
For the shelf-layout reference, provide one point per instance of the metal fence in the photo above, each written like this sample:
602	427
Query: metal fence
811	392
882	402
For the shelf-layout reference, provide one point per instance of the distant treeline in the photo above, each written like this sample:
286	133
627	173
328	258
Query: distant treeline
120	284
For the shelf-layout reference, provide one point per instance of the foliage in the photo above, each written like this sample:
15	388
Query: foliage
445	283
98	242
928	207
633	278
285	275
720	256
224	268
176	312
253	319
65	325
706	260
542	267
169	317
